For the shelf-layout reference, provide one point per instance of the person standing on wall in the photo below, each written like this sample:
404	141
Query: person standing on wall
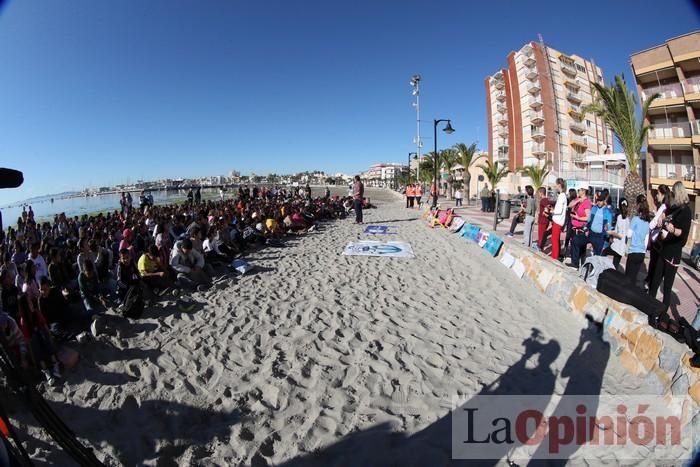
558	217
358	193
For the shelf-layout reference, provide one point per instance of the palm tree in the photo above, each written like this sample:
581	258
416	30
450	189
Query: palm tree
427	167
449	159
467	157
494	172
616	105
537	174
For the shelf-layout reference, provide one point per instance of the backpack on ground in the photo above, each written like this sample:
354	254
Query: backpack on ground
133	304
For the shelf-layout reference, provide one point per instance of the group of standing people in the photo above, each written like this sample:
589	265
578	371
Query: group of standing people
414	193
589	219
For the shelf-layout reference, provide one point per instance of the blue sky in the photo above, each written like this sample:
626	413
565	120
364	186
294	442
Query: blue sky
95	93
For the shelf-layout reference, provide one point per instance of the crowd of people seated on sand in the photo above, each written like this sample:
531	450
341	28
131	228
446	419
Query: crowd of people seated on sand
56	277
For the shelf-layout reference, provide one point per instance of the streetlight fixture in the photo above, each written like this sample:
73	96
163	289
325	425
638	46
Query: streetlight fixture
415	84
415	156
449	130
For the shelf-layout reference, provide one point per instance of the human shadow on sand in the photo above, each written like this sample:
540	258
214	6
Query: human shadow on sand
152	432
380	446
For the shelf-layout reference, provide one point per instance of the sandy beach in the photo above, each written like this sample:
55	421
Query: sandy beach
318	358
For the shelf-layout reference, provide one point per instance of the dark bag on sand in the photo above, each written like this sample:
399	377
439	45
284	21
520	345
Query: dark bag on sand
133	303
617	286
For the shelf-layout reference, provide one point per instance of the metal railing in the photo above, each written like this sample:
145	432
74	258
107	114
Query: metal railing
667	91
574	96
537	148
595	175
686	172
670	130
535	102
537	132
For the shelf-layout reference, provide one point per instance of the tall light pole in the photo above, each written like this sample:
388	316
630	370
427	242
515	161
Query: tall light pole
415	156
436	159
415	83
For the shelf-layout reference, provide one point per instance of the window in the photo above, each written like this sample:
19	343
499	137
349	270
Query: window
580	68
588	123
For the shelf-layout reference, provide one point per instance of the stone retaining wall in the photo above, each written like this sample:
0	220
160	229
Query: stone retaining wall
643	351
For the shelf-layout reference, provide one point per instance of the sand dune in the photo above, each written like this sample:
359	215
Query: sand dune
279	365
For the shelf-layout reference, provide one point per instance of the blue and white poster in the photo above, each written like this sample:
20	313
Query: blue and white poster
374	248
377	229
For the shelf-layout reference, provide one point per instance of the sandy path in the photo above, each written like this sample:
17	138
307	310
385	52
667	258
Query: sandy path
312	347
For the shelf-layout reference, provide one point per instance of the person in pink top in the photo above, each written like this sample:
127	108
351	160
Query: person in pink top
358	193
580	210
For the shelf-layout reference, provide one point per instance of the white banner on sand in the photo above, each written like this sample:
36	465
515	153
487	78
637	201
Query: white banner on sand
374	248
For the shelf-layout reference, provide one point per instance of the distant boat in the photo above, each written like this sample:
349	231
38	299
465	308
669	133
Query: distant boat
52	200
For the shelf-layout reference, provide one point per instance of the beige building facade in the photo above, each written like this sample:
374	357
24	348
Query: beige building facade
535	110
672	70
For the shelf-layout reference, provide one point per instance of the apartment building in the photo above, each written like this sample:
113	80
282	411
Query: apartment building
384	174
672	70
535	115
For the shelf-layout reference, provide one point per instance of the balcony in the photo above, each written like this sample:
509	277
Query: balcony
569	70
670	94
536	117
503	119
696	131
574	97
535	102
501	96
529	61
537	133
576	112
499	84
692	88
670	130
503	132
576	126
579	141
534	88
538	150
572	83
687	173
531	75
501	108
527	50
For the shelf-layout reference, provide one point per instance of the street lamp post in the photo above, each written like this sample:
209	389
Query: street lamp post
415	83
449	130
415	156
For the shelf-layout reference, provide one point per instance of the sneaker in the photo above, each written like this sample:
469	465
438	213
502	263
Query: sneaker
509	235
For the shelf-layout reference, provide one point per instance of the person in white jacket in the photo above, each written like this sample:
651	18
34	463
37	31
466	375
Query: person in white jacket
188	263
559	217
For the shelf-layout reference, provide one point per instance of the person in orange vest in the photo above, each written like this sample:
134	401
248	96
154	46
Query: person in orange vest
409	195
418	194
